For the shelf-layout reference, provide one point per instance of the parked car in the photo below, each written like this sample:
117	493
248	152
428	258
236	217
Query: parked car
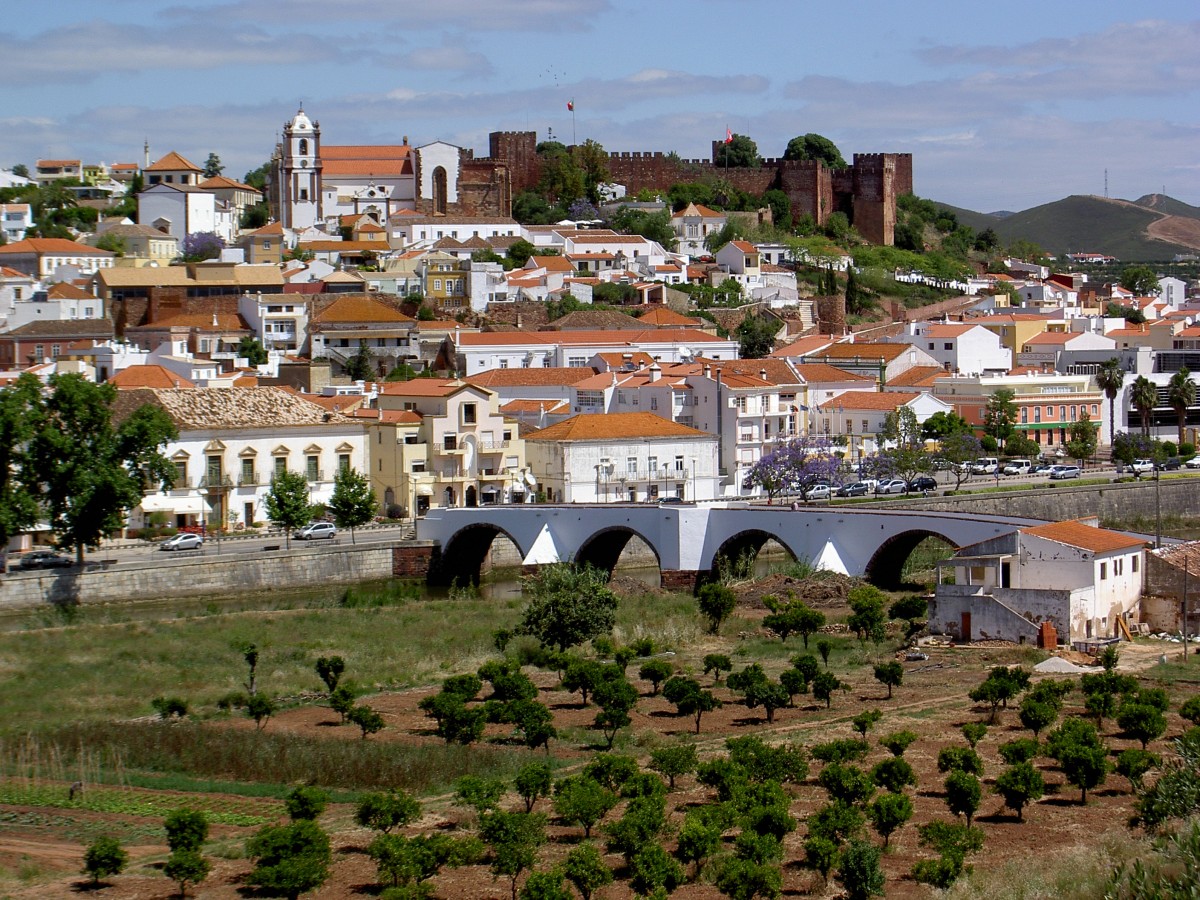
44	559
1141	466
985	465
1170	464
922	483
182	541
1041	469
1193	463
316	531
854	489
1018	467
818	491
1058	473
892	486
942	465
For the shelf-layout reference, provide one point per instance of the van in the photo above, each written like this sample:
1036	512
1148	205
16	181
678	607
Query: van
985	465
1018	467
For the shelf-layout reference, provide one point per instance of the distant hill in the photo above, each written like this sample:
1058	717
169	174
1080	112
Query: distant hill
1155	227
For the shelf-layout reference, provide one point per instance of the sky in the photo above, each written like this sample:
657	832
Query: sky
1003	105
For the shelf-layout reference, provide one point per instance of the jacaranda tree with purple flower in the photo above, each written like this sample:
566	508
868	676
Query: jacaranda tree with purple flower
201	245
789	467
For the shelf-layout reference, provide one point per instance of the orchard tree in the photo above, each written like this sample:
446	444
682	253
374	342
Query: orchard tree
382	811
888	813
859	870
716	602
1019	785
367	719
91	470
532	781
567	605
867	617
584	867
289	860
963	794
890	674
287	503
104	857
186	867
582	800
353	501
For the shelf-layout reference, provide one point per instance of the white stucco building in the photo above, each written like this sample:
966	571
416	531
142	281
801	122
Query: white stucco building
960	347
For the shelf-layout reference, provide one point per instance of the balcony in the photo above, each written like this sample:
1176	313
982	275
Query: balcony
214	481
315	475
247	479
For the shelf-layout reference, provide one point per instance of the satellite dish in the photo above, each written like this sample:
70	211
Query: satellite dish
530	480
685	352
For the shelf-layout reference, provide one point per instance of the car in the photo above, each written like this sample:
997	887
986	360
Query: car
185	540
892	486
1041	469
818	491
1170	464
44	559
1141	466
670	501
1018	467
316	531
1193	463
942	465
985	465
854	489
922	483
1058	473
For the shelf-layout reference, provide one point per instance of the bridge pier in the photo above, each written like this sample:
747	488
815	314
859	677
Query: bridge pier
679	579
415	559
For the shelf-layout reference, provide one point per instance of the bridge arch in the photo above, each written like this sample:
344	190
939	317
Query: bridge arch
464	554
742	549
887	563
603	549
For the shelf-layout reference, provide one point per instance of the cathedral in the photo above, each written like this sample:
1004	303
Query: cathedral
314	184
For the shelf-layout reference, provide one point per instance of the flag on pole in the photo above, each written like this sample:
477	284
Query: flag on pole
728	135
570	106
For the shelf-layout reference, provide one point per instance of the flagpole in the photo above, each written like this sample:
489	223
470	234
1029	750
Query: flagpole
571	106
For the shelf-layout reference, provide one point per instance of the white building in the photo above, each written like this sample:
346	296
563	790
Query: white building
1075	576
183	209
626	457
15	218
279	320
859	416
43	257
232	441
693	224
960	347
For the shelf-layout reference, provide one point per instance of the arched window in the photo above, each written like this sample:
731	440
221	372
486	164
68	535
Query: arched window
304	146
439	191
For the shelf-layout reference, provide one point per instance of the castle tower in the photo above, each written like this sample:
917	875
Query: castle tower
297	173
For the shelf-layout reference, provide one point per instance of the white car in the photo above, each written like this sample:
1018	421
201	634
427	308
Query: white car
1058	473
1141	466
1193	463
1018	467
818	491
892	486
315	531
183	541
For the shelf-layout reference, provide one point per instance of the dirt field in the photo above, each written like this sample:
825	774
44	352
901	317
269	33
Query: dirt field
41	847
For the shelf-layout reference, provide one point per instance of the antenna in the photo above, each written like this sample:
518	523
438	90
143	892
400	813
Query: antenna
1106	184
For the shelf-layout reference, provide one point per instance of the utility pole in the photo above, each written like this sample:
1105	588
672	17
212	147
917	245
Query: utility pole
1185	608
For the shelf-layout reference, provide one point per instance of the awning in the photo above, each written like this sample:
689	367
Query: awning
159	503
423	490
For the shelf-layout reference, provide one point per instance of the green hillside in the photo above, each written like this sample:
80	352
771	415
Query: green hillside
1169	205
976	220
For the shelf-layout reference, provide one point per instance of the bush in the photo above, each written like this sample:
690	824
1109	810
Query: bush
306	803
186	867
289	859
897	742
104	857
383	811
187	829
859	871
716	603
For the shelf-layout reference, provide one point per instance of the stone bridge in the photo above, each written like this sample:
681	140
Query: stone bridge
687	540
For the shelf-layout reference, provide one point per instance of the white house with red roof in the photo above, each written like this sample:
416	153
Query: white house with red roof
859	416
43	257
1076	576
630	457
15	218
16	287
1045	348
740	261
693	224
959	346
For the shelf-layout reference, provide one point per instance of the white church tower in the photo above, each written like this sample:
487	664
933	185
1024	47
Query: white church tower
298	173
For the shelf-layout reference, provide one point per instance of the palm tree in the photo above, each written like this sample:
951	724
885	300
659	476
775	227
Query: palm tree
1181	394
1143	395
1110	379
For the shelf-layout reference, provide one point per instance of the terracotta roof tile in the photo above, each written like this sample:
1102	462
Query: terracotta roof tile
817	373
152	376
57	246
616	427
554	376
173	162
916	376
874	400
1075	533
232	407
663	315
862	350
357	309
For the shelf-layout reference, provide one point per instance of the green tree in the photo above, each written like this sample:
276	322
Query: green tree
859	871
867	617
959	759
367	719
823	687
845	783
329	670
1144	397
615	697
890	674
186	867
584	867
1142	722
1019	750
739	153
654	226
1037	715
581	800
287	503
897	742
756	336
567	605
289	860
1110	377
353	502
306	803
1181	396
963	794
187	829
481	794
865	721
653	870
889	812
673	761
89	471
533	781
1085	767
699	838
361	366
942	424
384	810
656	671
817	147
1134	764
1083	438
514	839
212	166
719	662
546	885
260	708
1142	280
250	348
1000	415
893	774
974	732
104	857
114	243
1019	785
716	602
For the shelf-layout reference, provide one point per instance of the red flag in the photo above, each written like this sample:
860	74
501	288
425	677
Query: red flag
728	136
570	106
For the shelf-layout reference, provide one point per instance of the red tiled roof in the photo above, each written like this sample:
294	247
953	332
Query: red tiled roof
874	400
56	246
152	376
1086	537
173	162
615	427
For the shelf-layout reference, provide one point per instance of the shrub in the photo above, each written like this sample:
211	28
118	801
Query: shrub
481	794
652	869
170	707
289	859
104	857
897	742
1018	751
716	603
859	870
383	811
893	774
840	750
306	803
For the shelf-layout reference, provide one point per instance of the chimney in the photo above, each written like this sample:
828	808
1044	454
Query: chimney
762	373
655	373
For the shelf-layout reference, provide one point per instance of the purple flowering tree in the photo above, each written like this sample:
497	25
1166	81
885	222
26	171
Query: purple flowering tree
201	245
790	466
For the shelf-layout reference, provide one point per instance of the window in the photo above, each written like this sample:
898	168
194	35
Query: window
504	363
247	476
506	435
55	350
741	404
468	413
1135	564
1103	571
1062	414
679	464
343	462
1037	414
631	465
450	442
39	351
437	284
654	403
280	465
180	475
303	193
312	473
267	244
1024	415
213	469
866	426
947	346
418	466
931	345
576	362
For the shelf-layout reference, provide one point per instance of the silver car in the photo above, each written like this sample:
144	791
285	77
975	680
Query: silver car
316	531
182	541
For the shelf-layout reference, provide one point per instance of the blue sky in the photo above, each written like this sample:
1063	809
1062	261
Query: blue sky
1004	105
